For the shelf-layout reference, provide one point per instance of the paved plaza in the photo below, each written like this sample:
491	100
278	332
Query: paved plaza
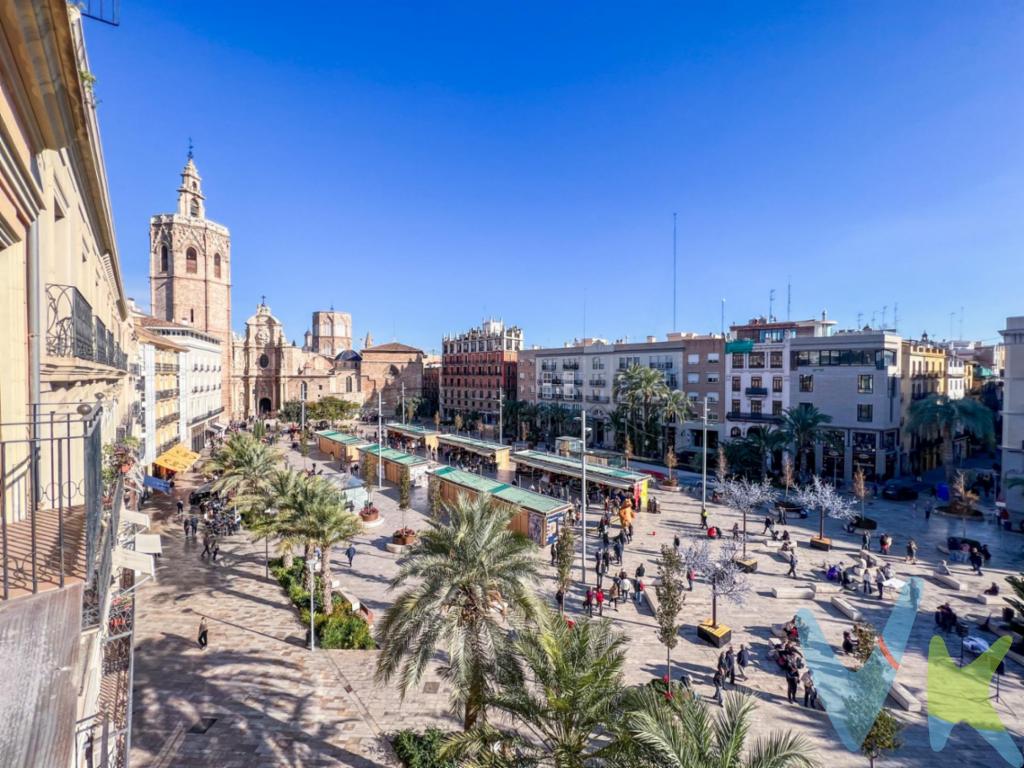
276	704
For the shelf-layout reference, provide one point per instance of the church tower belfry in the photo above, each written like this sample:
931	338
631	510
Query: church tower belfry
190	269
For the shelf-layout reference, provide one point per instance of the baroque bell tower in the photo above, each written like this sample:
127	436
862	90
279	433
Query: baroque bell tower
190	269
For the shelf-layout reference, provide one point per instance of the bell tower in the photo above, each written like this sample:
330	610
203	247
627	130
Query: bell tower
190	269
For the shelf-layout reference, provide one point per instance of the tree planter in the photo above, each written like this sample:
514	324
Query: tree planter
717	636
746	564
821	542
369	514
865	522
403	537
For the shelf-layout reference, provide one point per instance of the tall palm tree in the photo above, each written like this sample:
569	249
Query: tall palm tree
674	407
558	417
640	389
473	581
946	415
679	732
766	442
569	693
804	427
245	466
270	523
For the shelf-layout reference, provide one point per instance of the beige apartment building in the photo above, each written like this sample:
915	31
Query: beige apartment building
66	339
1013	414
923	372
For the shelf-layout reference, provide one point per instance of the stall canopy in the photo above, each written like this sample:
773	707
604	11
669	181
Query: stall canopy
597	473
390	454
340	437
471	444
177	459
520	497
410	430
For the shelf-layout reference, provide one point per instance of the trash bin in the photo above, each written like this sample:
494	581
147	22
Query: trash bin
1007	614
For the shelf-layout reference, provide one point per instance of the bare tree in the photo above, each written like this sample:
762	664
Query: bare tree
745	497
720	570
823	497
860	489
787	472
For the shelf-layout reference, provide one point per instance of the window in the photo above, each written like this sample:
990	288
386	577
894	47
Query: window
755	407
192	315
864	412
713	357
776	360
693	359
712	397
757	359
865	383
735	432
755	382
163	258
191	261
693	378
776	407
194	208
348	384
735	383
737	359
735	406
216	265
713	378
264	361
776	383
806	382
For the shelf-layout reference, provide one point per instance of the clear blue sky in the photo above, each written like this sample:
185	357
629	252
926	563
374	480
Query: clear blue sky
424	165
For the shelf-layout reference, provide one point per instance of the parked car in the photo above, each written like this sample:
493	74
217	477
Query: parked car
898	492
201	494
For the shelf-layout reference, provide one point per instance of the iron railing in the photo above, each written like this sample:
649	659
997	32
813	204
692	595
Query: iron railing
73	331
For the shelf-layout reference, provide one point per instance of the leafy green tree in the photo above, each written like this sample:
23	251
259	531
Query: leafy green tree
1016	602
404	490
331	409
290	411
245	465
641	389
468	580
671	597
765	442
673	408
268	519
565	554
562	706
804	427
883	736
946	416
658	730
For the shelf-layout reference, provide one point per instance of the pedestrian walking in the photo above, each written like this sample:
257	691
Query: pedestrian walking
735	530
202	638
600	579
195	526
207	546
676	543
560	599
730	665
911	551
880	583
742	660
588	602
599	597
554	550
618	551
181	507
614	594
691	576
865	541
928	513
976	560
810	692
640	572
792	565
605	561
629	536
768	524
638	594
717	682
704	519
188	525
867	581
350	553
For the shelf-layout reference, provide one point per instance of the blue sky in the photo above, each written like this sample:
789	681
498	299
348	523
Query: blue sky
426	165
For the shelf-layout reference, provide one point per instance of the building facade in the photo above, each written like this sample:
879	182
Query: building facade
853	377
431	385
190	270
1013	413
161	392
759	385
479	371
330	334
923	365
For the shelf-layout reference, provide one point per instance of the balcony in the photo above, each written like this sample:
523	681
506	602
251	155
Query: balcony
166	368
170	418
598	399
548	367
744	416
661	366
209	414
756	391
570	366
167	394
73	331
598	383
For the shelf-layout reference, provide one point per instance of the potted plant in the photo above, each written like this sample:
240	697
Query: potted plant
369	513
404	536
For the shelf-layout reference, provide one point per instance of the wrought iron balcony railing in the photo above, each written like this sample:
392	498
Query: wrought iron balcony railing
73	331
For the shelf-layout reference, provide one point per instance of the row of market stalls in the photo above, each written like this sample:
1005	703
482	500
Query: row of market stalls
411	437
568	473
340	445
396	463
534	515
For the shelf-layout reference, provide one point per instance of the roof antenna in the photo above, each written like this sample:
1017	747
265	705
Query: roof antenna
789	296
771	304
190	147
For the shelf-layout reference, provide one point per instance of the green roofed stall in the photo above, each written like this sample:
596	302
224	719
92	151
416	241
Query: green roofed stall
635	483
496	452
396	463
534	515
340	445
412	435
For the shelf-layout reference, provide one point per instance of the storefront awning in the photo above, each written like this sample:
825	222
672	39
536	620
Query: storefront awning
177	459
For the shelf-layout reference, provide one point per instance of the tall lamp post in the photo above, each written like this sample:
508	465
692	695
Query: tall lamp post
312	565
583	489
302	418
380	441
704	460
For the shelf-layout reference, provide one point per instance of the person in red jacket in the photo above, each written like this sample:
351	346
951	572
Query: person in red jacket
600	602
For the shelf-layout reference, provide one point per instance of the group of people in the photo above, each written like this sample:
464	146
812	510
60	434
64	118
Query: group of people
622	589
729	663
217	522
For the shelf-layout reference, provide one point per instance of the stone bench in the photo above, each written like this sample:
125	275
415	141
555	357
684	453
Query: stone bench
827	588
651	598
989	599
846	608
948	581
1015	657
354	602
800	593
904	698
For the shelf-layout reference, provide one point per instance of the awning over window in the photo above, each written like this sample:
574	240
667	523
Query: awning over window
740	345
177	459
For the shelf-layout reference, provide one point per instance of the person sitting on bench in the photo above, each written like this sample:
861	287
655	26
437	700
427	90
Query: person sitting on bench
993	590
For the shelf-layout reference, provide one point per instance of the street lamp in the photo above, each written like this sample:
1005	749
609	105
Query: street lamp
313	565
704	460
583	489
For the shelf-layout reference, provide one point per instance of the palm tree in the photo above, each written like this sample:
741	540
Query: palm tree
640	389
325	522
473	581
270	523
558	417
804	427
946	415
674	407
678	731
569	693
245	466
766	442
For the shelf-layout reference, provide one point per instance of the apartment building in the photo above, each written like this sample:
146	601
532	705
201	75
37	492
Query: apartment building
956	377
759	386
160	392
923	365
1012	444
854	377
68	552
479	370
703	378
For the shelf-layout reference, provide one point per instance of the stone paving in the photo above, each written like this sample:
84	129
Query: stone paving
277	704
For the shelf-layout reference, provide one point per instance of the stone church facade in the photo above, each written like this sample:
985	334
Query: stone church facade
190	270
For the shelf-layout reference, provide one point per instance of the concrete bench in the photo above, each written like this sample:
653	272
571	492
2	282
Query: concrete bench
827	588
948	581
1015	657
904	698
354	602
651	598
846	608
989	599
800	593
870	558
